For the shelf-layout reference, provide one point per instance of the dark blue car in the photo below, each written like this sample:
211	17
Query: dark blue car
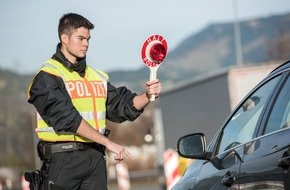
251	150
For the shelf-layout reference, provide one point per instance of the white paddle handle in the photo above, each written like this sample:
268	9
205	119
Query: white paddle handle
153	74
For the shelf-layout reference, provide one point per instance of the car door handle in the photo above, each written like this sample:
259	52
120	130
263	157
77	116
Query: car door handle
228	179
284	163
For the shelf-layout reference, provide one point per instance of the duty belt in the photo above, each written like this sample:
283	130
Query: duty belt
68	146
45	149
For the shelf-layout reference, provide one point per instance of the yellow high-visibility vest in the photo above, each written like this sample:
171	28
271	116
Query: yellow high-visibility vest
88	95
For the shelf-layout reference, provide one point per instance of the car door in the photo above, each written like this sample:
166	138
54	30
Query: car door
266	159
223	170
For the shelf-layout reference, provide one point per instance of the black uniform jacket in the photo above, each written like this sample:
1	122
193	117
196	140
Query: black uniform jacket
49	96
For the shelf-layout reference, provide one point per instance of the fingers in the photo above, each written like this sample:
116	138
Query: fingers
154	87
120	152
155	81
122	155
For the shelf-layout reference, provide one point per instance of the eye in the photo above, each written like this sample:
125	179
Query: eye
84	39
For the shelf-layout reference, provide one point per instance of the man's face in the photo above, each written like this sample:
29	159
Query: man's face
76	45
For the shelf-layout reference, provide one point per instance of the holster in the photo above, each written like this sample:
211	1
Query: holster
35	180
38	180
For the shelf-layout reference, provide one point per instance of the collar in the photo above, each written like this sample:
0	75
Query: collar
79	67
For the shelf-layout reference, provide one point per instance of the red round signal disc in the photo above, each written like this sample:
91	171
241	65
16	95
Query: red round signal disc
157	52
154	50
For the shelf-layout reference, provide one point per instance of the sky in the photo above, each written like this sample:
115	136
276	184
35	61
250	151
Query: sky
28	29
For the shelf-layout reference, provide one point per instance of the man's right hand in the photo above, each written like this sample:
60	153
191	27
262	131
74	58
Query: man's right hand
120	152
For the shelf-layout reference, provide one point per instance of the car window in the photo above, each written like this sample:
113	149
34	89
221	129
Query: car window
241	126
280	114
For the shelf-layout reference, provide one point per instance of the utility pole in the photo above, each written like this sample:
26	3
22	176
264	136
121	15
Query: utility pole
237	33
159	139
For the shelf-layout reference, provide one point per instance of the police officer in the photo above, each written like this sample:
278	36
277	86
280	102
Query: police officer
73	101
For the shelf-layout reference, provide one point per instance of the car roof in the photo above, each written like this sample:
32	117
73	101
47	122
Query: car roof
283	66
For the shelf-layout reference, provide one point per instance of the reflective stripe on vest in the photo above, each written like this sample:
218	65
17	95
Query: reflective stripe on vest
88	95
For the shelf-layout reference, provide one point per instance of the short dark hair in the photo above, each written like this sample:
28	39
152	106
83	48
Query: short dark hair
72	21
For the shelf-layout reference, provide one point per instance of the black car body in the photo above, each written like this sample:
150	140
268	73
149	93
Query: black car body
252	148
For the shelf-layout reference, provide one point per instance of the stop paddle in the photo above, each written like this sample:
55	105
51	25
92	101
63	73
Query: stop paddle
153	53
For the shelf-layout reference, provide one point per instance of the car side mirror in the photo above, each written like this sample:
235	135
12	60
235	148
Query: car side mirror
192	146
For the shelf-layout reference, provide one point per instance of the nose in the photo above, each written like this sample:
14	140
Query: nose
86	42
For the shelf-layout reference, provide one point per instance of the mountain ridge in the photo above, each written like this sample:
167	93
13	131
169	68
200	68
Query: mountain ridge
262	39
213	47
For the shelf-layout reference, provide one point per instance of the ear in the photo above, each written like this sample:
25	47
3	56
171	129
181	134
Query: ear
64	38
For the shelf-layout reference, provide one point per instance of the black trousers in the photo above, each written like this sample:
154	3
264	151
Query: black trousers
79	170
